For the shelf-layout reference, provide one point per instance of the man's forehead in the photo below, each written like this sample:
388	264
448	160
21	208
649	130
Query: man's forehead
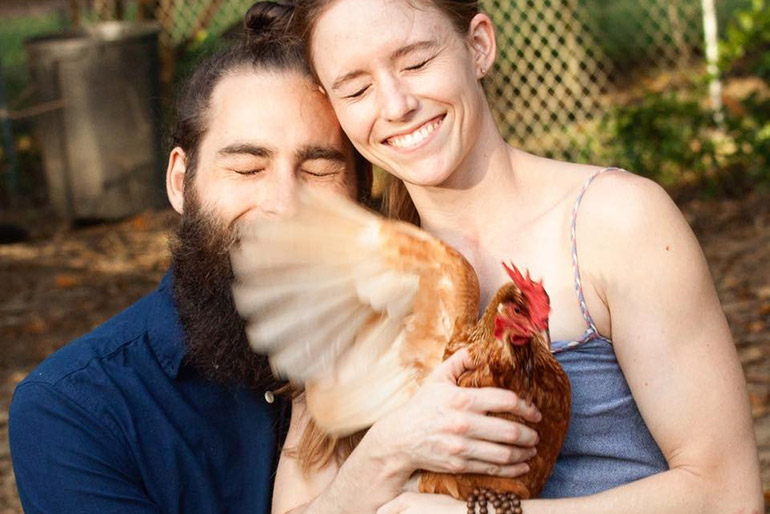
282	111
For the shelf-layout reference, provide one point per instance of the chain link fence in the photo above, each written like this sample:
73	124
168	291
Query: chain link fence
562	64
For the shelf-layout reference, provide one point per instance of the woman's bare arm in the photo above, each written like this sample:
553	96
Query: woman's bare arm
443	428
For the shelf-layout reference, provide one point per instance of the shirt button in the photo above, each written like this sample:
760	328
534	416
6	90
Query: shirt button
269	397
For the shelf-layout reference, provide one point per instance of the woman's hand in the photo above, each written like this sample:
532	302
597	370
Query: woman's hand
445	428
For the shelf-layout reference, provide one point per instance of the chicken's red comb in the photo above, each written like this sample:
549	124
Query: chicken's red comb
534	294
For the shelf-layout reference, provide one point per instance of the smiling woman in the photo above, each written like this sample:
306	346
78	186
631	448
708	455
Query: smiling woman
635	320
416	57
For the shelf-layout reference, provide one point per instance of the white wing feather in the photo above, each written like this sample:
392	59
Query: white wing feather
356	307
318	298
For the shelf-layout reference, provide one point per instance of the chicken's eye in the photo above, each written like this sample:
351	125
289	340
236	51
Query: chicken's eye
516	309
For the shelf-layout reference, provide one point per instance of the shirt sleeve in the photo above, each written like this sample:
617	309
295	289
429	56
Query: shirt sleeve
65	461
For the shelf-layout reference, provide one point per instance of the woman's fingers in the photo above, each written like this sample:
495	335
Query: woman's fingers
451	369
491	399
446	428
498	470
486	399
463	456
499	430
490	453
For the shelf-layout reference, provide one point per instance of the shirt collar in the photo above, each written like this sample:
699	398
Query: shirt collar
165	329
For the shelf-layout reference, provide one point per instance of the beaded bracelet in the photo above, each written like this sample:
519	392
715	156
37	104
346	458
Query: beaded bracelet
504	503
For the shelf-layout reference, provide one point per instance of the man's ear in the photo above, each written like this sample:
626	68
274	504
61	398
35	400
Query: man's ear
483	44
175	174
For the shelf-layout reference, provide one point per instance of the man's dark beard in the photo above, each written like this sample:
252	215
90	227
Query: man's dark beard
214	332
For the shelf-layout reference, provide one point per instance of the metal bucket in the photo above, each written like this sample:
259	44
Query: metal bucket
101	138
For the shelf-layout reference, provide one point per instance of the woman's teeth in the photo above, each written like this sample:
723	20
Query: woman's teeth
416	137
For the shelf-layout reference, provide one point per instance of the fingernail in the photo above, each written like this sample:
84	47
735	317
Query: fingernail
532	452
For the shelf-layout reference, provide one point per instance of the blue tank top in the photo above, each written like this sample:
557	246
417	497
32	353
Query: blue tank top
608	443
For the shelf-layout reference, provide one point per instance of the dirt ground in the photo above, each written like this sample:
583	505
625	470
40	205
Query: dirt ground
63	282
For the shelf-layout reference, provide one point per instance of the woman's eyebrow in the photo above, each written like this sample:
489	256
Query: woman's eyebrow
414	47
346	77
399	53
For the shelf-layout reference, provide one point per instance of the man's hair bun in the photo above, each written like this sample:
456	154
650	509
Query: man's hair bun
267	20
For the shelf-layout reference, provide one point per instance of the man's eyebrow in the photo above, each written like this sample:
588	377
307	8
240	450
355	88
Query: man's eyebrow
309	153
401	52
247	148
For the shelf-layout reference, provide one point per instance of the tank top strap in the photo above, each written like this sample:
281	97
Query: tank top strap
591	331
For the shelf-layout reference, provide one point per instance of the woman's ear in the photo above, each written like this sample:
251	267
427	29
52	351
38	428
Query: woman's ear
175	174
483	44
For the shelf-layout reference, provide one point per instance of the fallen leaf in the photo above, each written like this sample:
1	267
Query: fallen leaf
755	327
35	326
730	281
759	404
751	354
66	281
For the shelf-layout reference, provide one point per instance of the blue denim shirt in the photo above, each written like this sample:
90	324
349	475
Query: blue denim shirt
114	422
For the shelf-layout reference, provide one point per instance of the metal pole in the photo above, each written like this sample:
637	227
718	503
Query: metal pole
8	144
712	58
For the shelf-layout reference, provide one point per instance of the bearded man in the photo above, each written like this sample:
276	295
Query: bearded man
164	409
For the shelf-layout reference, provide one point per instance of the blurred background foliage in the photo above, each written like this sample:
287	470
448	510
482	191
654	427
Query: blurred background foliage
672	136
640	100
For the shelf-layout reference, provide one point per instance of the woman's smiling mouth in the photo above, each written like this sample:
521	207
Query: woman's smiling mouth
417	137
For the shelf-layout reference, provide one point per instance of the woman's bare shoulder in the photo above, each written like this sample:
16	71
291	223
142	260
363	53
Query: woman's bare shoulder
616	200
626	218
620	201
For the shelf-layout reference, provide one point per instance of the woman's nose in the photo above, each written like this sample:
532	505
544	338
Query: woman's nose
397	102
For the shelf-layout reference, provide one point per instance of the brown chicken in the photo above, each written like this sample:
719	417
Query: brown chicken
359	310
510	349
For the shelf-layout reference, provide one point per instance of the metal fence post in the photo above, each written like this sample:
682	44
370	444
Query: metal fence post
712	58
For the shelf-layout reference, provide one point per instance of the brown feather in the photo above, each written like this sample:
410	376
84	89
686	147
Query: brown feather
408	248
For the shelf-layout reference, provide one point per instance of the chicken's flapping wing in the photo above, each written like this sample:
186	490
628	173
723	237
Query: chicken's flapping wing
356	307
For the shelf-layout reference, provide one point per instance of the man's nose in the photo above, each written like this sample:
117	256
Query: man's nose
280	198
397	102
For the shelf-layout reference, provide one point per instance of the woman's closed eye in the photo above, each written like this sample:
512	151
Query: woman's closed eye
419	65
357	94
